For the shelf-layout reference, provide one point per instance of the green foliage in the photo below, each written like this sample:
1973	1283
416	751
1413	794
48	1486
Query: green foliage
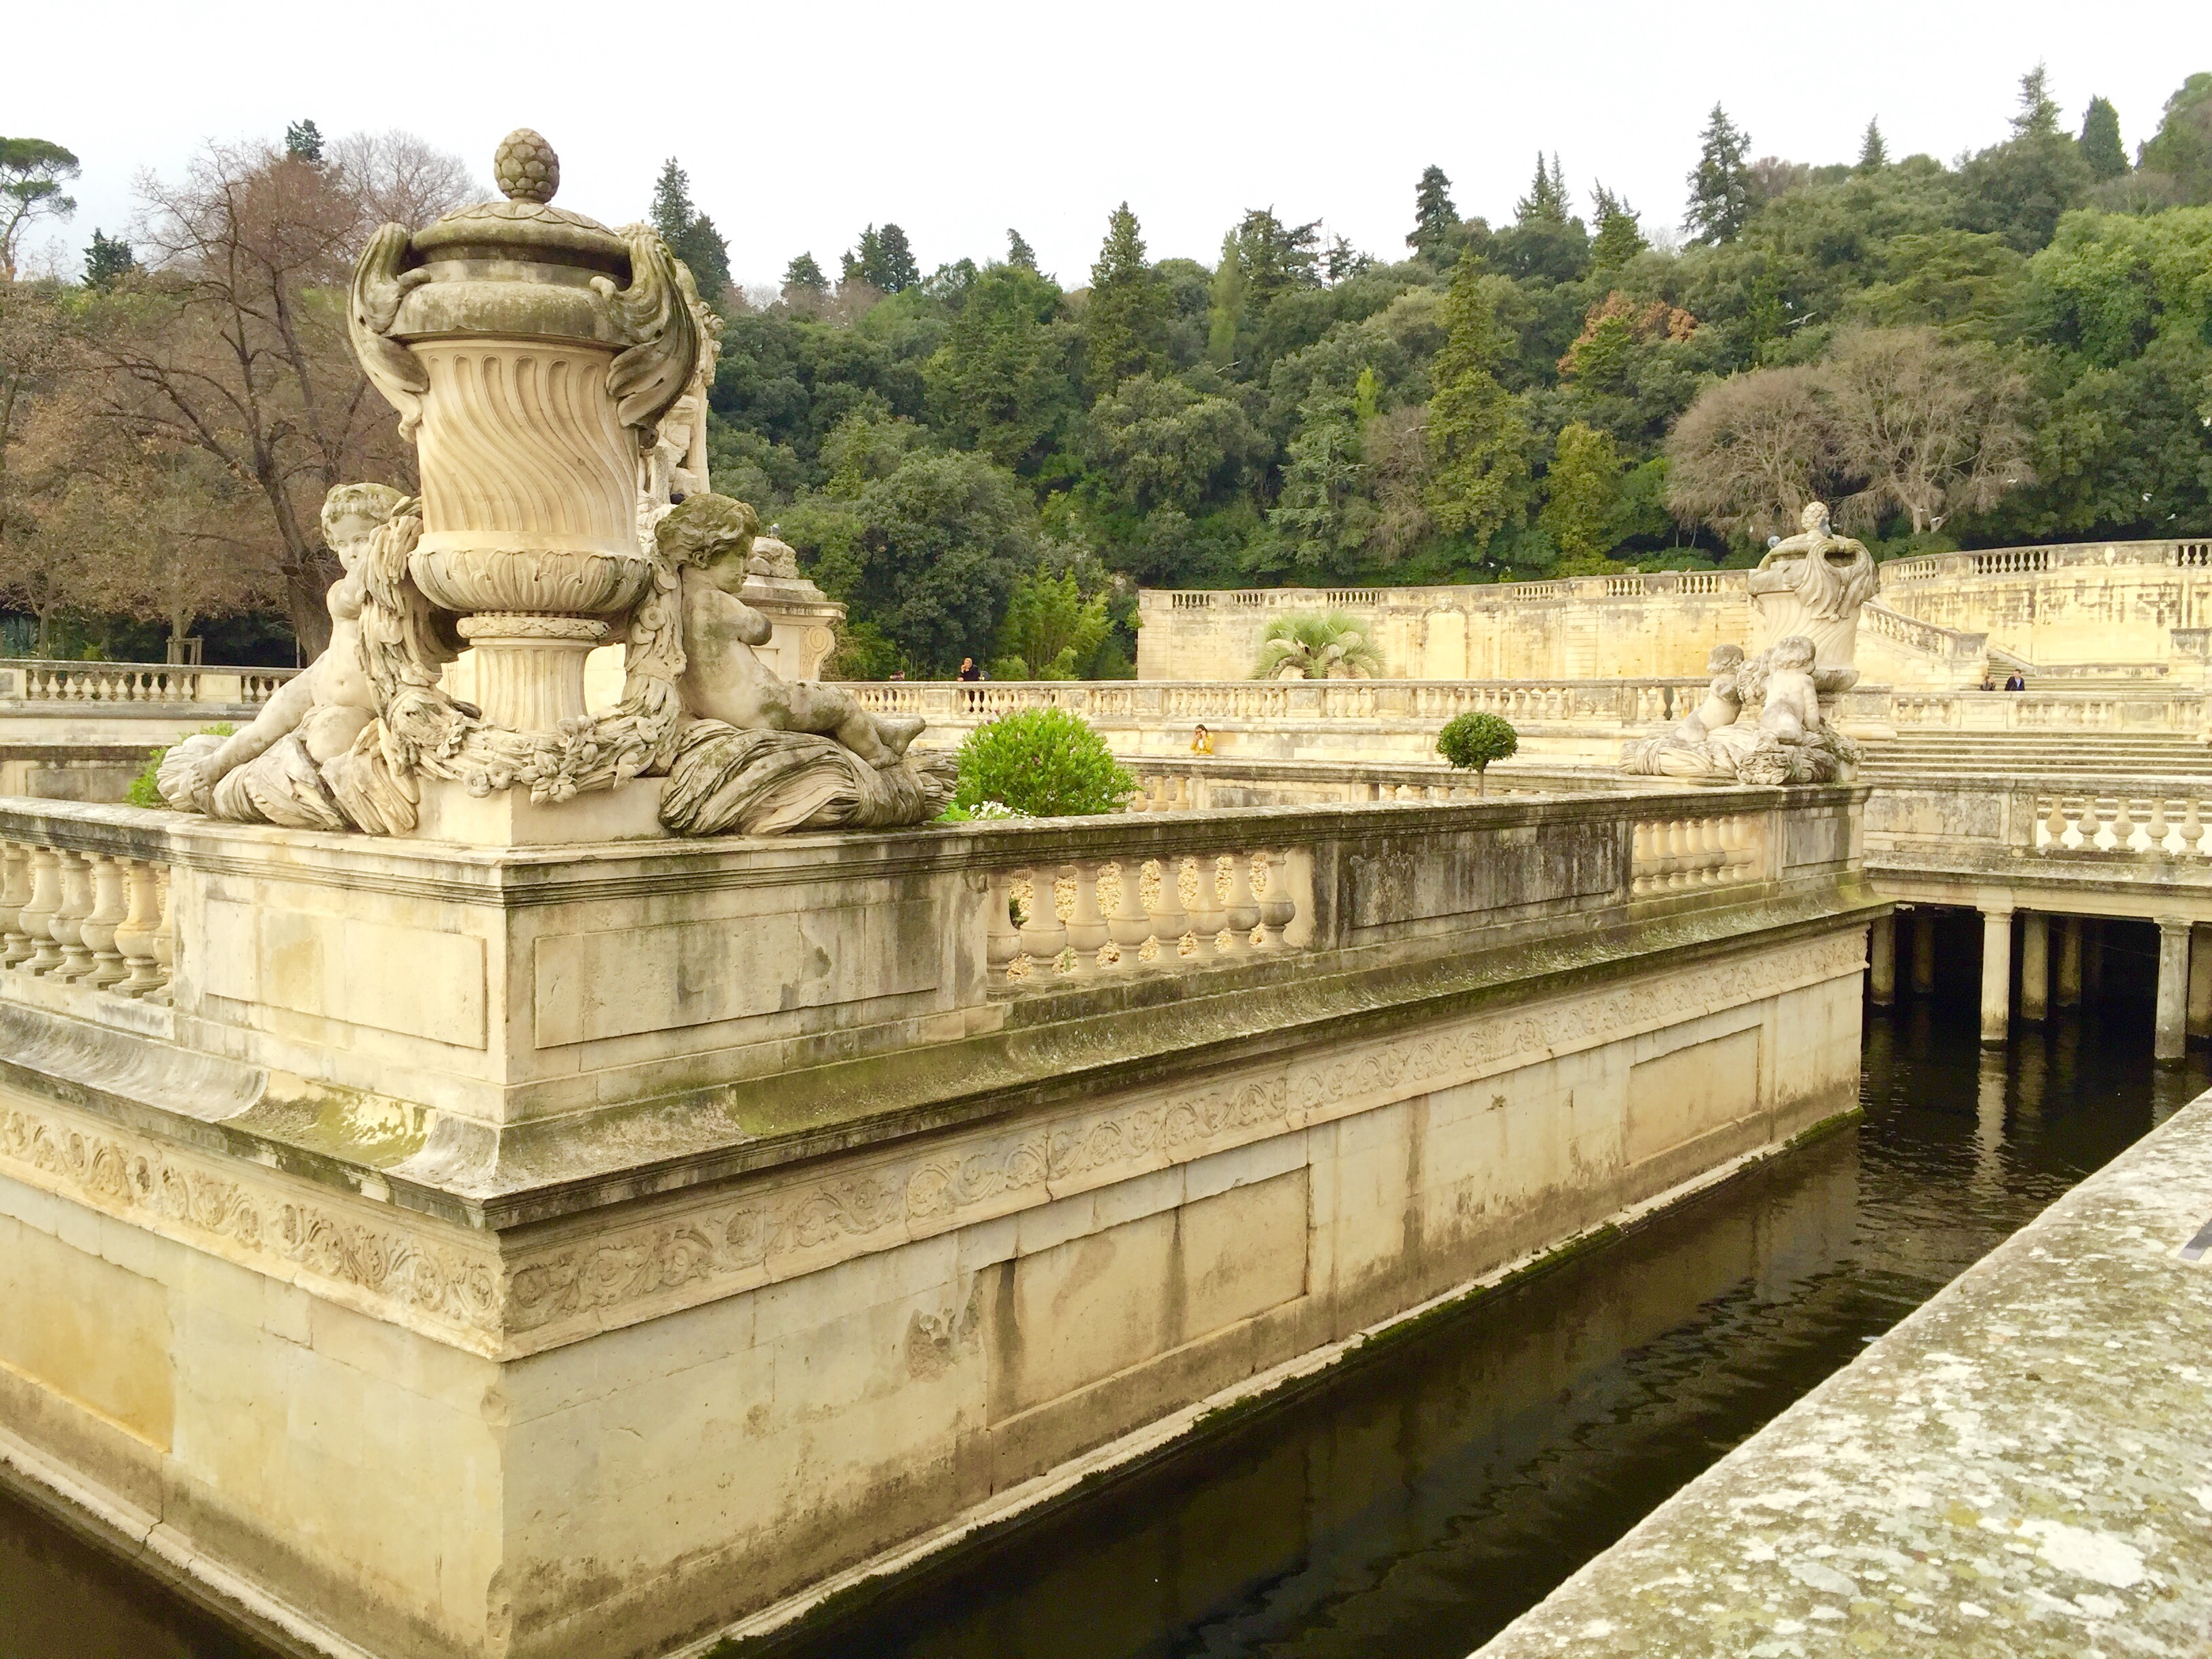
1582	505
1478	435
884	260
1873	154
31	174
1046	762
2180	151
145	789
108	261
1720	185
1127	316
689	233
1051	630
999	383
1436	233
303	141
2100	140
1313	645
1471	742
1619	235
804	273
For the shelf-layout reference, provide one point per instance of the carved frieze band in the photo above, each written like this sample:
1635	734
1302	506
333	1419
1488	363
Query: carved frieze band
392	1271
719	1249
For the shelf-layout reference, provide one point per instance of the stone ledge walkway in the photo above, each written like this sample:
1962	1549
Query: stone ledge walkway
2022	1467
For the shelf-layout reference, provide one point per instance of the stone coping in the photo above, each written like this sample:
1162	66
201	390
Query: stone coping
2022	1467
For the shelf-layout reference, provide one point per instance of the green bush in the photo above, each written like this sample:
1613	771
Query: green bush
1473	741
144	790
1043	762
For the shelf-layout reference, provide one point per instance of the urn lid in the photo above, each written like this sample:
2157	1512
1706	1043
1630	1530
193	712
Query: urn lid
526	228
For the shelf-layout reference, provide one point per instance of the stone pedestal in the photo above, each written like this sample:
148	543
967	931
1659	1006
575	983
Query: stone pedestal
509	817
529	670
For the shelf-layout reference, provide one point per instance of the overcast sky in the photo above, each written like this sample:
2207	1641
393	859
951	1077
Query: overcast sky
799	124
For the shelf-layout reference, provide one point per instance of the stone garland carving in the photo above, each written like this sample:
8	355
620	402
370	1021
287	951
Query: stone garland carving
928	1194
1764	717
448	1287
480	333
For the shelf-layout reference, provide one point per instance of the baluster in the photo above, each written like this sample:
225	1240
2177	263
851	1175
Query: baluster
1086	925
1208	916
2192	825
1244	908
2158	830
1639	861
1043	935
67	924
1277	911
1675	855
2124	827
15	893
1711	854
165	937
109	908
134	934
1002	941
2054	826
1170	921
2082	826
37	920
1129	926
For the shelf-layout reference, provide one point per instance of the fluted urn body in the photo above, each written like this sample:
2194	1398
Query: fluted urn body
526	350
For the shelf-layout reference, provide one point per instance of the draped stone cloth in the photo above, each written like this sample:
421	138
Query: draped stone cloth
726	781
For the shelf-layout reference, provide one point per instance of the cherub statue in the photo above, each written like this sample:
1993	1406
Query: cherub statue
271	772
708	540
1760	723
1686	751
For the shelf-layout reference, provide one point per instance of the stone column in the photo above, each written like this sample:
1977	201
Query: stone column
1881	961
1924	952
2069	962
1996	975
2034	966
2200	980
2170	1036
2092	957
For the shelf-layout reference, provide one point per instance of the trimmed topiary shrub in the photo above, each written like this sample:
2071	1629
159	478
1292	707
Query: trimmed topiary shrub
1043	764
1471	742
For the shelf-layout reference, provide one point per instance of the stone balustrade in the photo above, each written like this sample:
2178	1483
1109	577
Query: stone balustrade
1631	586
2132	708
84	901
2148	820
2035	560
1949	644
1130	915
32	680
1695	850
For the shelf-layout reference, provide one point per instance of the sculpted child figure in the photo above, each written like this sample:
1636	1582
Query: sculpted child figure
255	775
1792	709
709	538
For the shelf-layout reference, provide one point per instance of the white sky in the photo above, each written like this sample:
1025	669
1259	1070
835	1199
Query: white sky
800	122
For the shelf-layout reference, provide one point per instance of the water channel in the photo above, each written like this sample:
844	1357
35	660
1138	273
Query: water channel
1422	1498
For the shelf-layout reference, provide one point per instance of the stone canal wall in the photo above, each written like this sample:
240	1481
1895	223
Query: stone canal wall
615	1277
2020	1467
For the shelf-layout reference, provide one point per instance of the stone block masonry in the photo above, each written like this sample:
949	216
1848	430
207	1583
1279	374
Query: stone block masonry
2020	1469
555	1289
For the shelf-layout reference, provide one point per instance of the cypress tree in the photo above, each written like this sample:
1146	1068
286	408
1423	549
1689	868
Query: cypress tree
1620	237
804	273
1018	251
1127	317
1874	154
1436	221
1720	185
2100	139
1479	432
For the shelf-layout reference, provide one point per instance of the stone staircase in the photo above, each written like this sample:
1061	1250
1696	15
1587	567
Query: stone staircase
1934	756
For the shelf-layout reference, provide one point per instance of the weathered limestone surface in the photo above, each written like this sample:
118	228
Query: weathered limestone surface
2020	1469
567	1251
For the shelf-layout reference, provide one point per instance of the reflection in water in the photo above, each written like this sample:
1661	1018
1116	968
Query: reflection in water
1420	1501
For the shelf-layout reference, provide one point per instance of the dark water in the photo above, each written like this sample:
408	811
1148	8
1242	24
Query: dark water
1418	1503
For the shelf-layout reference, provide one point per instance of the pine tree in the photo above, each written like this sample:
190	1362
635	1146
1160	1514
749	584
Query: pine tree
2038	109
2100	139
884	260
303	141
689	233
1478	431
1126	318
1873	154
1343	261
804	273
1018	252
1582	499
1435	233
1620	237
108	261
1720	185
1547	200
1224	306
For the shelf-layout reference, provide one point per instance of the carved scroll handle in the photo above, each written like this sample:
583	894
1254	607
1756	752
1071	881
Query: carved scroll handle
379	285
660	329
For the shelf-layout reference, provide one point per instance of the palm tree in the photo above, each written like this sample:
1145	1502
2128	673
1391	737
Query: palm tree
1307	645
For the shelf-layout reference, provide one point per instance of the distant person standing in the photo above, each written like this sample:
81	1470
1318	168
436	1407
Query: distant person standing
969	671
2016	681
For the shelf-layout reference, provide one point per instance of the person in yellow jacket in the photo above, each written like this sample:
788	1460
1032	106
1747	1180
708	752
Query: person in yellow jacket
1201	742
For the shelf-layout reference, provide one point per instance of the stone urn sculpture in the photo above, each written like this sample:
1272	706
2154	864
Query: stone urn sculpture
1813	585
531	353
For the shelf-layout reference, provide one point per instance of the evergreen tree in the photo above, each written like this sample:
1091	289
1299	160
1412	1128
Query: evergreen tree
1018	252
883	260
1874	154
1478	431
690	236
1547	200
802	272
1343	261
2038	109
1720	185
1436	221
1619	236
1313	517
108	261
1225	305
1128	316
1582	499
2181	148
2100	139
303	141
